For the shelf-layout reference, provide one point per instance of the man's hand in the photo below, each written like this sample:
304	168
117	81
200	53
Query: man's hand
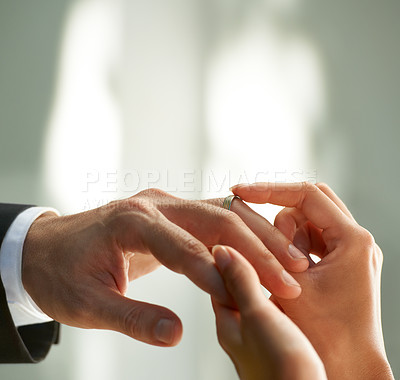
77	268
339	308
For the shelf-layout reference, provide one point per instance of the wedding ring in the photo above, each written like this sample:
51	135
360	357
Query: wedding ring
228	201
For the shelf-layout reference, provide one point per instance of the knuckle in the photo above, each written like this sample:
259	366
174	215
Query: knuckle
140	206
133	322
131	211
268	257
274	233
162	200
308	186
152	193
323	186
194	247
230	218
367	249
115	207
220	213
226	221
366	238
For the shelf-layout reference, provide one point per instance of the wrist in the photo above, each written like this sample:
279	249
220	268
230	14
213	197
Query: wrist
33	253
377	368
361	361
362	369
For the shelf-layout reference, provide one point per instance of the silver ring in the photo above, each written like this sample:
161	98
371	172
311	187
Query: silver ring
228	201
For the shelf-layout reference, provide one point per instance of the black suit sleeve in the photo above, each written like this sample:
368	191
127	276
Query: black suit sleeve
25	344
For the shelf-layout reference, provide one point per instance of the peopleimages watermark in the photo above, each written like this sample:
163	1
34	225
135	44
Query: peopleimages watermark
186	181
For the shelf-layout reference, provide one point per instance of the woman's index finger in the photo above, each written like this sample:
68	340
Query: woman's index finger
308	198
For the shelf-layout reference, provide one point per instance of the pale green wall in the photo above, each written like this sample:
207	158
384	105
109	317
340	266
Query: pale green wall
30	33
359	147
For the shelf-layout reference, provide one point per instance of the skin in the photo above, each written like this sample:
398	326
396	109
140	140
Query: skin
339	308
262	342
77	268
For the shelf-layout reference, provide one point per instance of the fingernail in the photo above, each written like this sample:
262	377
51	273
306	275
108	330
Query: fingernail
221	256
239	185
289	279
296	253
165	331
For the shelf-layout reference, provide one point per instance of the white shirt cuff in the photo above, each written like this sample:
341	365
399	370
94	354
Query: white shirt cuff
23	309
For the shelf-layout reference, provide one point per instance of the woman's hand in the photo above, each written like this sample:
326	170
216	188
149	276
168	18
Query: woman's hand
262	342
77	268
339	308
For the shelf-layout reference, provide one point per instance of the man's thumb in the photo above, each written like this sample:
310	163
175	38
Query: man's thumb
146	322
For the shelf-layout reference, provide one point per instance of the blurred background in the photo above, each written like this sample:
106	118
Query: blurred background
102	98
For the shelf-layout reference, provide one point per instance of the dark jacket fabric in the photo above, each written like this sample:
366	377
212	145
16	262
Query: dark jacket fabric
25	344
